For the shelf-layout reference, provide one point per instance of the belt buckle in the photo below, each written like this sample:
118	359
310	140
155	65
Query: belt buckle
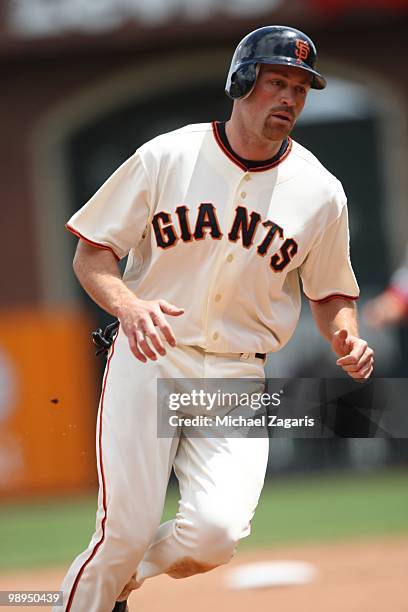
247	356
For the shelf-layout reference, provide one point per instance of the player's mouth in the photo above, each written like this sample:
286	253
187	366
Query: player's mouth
283	117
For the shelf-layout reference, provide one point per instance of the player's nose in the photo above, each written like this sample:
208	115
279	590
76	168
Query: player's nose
287	97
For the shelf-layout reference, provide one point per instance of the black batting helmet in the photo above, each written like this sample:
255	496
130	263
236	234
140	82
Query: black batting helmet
270	45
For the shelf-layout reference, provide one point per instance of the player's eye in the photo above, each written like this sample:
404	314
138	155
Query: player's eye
301	89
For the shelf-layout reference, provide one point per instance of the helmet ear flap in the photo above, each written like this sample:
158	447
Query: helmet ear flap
241	82
257	69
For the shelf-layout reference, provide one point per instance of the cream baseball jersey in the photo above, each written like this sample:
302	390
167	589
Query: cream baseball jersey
228	245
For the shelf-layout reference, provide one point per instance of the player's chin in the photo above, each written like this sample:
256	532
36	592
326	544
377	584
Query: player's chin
275	129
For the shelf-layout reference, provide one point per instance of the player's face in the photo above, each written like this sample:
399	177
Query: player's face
277	100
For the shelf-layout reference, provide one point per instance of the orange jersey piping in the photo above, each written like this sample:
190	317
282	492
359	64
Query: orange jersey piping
91	242
334	296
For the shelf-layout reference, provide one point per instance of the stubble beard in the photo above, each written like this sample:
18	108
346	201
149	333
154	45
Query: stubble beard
274	133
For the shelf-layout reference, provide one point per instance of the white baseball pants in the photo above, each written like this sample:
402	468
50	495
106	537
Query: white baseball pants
220	480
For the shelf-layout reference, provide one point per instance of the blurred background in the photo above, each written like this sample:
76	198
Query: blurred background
84	83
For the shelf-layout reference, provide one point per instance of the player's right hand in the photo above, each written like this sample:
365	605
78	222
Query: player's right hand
139	320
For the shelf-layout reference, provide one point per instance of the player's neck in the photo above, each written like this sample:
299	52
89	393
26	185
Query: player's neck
247	145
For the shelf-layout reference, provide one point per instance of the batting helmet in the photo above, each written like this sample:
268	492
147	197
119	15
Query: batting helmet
270	45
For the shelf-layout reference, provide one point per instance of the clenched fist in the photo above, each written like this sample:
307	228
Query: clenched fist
355	356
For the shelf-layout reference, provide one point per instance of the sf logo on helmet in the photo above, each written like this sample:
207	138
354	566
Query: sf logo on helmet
302	50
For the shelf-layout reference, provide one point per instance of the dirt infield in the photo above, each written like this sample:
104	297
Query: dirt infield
357	576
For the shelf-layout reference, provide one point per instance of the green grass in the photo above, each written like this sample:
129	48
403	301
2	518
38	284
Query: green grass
292	510
47	533
331	507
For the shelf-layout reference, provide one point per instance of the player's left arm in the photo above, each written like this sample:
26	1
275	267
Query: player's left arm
337	322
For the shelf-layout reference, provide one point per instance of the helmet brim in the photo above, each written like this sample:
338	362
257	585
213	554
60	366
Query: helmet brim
318	81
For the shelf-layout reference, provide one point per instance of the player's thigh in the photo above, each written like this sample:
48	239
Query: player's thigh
220	480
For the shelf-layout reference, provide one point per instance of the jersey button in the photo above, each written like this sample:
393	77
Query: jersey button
230	258
215	336
247	177
217	297
243	195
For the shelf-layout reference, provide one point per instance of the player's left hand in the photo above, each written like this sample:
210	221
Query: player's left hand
356	357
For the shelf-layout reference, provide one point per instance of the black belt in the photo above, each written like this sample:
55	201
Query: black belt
258	355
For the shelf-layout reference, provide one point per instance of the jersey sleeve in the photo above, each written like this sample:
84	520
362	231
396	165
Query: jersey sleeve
326	272
116	216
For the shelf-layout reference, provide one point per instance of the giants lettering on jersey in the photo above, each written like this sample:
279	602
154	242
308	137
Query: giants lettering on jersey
245	228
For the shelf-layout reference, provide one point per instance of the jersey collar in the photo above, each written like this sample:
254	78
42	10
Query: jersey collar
244	164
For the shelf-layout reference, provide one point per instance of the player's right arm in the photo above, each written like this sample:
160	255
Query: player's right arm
99	274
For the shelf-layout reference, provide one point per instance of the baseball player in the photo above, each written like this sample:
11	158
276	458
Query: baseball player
219	222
